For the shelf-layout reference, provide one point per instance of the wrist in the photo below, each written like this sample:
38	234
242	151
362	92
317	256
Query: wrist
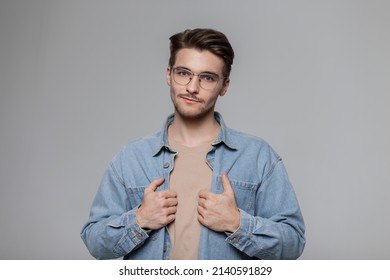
235	225
138	218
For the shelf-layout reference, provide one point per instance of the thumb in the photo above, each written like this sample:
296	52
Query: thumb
154	184
227	187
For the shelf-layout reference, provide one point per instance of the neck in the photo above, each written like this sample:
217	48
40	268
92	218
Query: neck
192	132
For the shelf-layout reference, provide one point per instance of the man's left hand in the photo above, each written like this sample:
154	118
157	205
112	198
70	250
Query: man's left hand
219	212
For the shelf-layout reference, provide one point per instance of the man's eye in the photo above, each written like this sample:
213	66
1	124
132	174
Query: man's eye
208	77
183	73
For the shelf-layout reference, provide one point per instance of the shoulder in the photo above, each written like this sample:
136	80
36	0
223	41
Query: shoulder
146	145
254	151
241	139
149	140
251	147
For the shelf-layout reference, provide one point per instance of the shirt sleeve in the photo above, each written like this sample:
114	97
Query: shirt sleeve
111	231
276	231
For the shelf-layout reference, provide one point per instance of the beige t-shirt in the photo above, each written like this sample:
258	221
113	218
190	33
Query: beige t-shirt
191	174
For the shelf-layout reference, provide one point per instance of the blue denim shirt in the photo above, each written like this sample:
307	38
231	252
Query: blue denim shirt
271	225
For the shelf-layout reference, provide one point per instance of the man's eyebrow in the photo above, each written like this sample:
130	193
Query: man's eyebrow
210	73
203	72
182	67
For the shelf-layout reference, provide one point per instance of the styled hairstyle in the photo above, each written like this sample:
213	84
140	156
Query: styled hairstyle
203	39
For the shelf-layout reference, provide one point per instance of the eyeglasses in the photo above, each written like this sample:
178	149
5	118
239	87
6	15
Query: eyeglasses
207	80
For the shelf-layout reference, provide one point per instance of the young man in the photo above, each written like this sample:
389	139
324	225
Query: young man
196	189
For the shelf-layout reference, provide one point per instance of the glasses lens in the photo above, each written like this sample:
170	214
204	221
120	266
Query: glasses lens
207	81
182	76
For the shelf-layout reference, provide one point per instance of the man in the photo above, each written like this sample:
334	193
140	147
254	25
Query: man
196	189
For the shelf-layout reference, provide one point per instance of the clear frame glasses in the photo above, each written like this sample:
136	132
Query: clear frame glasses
207	80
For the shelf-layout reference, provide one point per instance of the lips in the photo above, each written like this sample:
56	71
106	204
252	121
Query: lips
190	99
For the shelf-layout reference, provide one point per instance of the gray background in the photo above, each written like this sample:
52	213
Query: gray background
79	79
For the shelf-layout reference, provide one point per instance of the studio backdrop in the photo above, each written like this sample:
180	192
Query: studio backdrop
80	79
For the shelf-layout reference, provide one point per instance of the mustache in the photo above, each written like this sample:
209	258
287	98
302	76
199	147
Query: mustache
191	96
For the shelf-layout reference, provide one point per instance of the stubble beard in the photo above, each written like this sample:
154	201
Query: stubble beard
199	113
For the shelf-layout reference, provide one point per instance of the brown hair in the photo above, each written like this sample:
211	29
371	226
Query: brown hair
203	39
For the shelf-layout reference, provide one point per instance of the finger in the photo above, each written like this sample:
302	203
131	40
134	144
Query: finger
201	202
227	187
201	211
170	218
171	210
154	184
204	194
170	194
169	202
201	218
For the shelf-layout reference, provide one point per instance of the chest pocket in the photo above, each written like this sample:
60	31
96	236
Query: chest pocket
245	193
135	195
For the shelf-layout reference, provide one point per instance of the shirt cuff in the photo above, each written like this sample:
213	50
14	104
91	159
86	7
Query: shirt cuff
134	235
237	238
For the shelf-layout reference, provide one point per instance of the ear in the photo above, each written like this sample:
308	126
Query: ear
225	87
168	76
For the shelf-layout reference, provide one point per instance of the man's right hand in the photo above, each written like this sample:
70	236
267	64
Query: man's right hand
157	208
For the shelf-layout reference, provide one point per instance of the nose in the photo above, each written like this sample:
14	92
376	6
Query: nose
193	85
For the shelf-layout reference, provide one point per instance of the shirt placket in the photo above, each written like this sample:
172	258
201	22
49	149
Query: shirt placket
167	166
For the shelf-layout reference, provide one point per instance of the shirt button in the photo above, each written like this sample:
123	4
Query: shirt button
166	165
139	236
164	248
235	240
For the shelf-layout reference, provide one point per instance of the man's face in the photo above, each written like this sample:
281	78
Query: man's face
191	101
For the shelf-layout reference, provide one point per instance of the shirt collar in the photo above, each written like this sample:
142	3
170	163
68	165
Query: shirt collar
222	138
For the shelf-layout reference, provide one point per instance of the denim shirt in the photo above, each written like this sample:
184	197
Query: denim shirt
271	225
